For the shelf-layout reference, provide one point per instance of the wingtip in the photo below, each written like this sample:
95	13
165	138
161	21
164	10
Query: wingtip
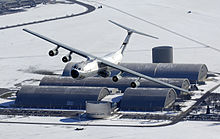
24	29
111	21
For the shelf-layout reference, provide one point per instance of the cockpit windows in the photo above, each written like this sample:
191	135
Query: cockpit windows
78	67
81	66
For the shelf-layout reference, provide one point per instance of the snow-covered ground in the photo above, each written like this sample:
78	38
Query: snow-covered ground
47	11
93	33
182	130
194	36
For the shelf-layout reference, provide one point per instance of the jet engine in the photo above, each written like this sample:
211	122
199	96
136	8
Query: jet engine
74	73
135	84
116	77
66	58
53	52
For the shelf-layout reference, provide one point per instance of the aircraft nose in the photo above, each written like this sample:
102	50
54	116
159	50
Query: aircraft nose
74	73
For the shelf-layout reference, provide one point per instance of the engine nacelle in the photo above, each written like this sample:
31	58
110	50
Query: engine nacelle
53	52
104	73
66	58
135	84
74	73
116	78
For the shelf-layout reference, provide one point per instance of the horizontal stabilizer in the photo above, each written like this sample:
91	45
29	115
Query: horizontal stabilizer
132	30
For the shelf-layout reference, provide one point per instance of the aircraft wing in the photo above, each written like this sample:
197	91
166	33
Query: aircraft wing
123	69
76	51
107	63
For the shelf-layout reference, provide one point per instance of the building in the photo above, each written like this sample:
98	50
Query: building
98	109
122	84
194	72
58	96
147	99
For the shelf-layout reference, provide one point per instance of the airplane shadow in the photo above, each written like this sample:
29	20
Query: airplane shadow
74	120
214	124
69	120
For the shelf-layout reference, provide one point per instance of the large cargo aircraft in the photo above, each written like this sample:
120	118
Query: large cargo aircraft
101	66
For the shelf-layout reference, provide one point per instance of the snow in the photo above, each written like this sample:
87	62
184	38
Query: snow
195	130
24	51
112	121
194	36
47	11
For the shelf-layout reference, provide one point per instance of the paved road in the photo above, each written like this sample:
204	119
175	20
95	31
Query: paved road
90	8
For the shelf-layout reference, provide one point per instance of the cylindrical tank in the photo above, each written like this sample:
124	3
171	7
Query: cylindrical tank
98	109
122	84
162	54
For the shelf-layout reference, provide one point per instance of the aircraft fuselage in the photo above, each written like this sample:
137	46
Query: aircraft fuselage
92	67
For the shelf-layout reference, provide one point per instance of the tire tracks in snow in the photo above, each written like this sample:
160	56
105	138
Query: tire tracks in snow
90	8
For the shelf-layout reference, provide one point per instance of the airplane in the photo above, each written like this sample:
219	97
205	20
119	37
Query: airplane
102	66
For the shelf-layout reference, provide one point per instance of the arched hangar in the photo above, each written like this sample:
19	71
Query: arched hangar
194	72
122	84
58	96
147	99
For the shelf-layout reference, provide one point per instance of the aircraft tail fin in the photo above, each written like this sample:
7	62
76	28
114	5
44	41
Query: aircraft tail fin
130	31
